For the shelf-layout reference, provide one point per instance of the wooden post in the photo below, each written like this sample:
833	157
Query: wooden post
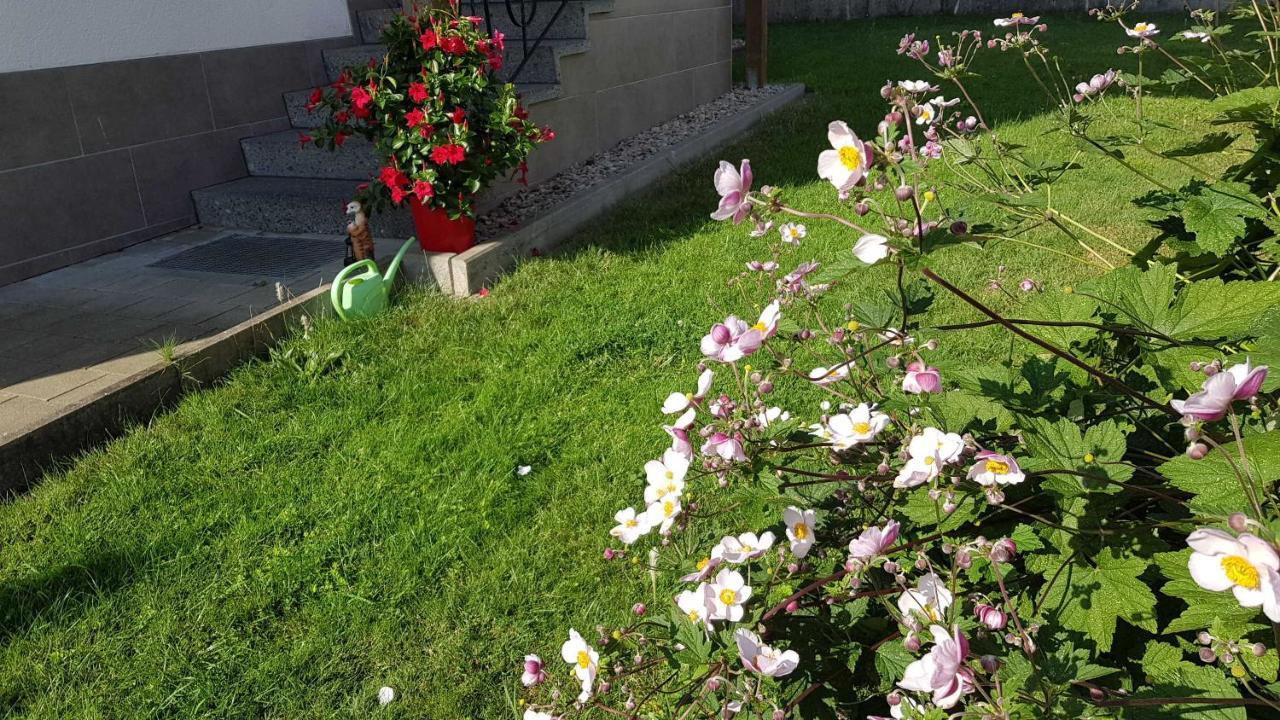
757	43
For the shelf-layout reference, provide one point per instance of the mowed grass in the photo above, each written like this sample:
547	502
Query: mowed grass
284	544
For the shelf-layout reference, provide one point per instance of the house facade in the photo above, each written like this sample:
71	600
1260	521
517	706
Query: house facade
127	119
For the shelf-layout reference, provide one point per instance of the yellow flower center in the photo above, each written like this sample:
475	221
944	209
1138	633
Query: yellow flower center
758	326
703	563
671	475
668	507
850	158
694	615
794	232
1016	15
728	597
1141	27
1241	572
631	523
584	660
1088	457
747	549
801	531
997	467
862	428
852	325
933	614
928	460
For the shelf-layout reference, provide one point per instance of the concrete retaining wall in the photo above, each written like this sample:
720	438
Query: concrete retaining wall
798	10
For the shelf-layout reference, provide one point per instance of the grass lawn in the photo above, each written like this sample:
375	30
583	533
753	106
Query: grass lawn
283	545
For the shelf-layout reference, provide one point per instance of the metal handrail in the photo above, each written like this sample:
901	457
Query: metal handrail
522	14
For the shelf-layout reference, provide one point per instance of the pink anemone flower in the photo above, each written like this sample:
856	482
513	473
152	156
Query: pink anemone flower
942	672
734	186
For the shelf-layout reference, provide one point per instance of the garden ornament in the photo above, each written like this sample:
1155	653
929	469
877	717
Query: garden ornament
359	237
360	291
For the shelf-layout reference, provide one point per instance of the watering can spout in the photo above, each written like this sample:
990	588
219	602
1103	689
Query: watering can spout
394	267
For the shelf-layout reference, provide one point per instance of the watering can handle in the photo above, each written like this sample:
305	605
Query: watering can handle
335	291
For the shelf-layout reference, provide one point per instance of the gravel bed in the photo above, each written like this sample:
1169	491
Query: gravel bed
528	202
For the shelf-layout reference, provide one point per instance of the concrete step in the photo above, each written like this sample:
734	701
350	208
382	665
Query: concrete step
300	117
542	66
571	23
291	205
282	155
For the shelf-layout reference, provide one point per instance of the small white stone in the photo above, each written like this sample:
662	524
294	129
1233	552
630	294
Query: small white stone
523	470
386	695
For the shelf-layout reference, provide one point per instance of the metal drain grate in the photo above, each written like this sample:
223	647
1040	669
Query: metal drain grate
269	255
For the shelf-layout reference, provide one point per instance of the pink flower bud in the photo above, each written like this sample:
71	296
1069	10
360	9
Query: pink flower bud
1003	550
1258	649
779	714
610	553
992	617
1197	450
793	606
862	208
990	663
882	469
904	192
1096	694
638	609
1238	522
912	643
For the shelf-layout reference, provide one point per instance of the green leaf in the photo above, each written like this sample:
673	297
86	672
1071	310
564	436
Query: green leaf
1217	215
1138	297
1250	100
1212	309
1213	480
892	660
1173	676
1204	608
1061	307
1060	445
957	411
1091	598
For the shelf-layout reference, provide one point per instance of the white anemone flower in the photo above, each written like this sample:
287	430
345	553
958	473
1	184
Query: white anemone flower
915	86
662	513
846	162
800	524
826	376
772	415
729	591
793	233
696	605
631	525
665	476
760	658
584	658
929	599
859	425
538	715
678	402
871	249
1246	565
747	546
925	114
1142	30
929	451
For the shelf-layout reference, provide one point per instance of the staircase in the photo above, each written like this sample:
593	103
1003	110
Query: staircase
295	189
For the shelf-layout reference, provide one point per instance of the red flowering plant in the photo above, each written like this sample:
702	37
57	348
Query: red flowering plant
436	112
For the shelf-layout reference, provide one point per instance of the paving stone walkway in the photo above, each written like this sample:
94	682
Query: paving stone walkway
67	335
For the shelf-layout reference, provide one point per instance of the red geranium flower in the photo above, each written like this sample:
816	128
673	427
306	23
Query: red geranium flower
429	40
458	115
423	190
454	45
450	154
418	92
499	40
547	135
392	177
398	194
342	116
303	140
339	139
317	97
414	117
361	98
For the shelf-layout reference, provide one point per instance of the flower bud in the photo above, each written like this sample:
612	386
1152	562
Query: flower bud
638	609
882	469
1191	434
990	663
992	617
714	684
1259	649
793	606
964	559
1096	694
610	553
1238	522
605	687
912	643
1204	638
894	117
1197	450
862	208
766	387
893	361
779	714
1003	550
904	192
1226	657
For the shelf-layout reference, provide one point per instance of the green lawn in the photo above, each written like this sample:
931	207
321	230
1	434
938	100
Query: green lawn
282	546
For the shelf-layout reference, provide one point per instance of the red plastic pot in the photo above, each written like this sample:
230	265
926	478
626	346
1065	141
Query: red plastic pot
437	232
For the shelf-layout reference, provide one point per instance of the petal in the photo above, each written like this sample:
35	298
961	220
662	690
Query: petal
1207	571
1211	541
1259	551
839	134
918	675
727	179
831	169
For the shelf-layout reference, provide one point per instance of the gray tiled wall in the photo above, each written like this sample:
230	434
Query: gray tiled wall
97	157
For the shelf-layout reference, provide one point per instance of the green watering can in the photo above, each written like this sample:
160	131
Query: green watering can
361	291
